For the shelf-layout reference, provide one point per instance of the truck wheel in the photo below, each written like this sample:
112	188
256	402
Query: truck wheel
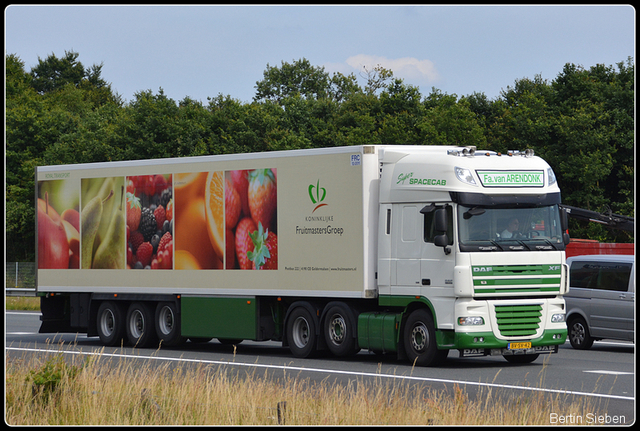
420	339
110	322
521	359
340	331
579	334
301	333
168	324
140	329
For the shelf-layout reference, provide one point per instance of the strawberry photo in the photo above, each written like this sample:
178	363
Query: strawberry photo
251	218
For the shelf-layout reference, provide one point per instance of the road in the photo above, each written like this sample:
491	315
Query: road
605	373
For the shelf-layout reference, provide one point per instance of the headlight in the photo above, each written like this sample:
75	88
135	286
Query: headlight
472	320
558	318
464	175
552	176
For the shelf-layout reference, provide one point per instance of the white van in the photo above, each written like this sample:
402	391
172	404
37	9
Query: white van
601	299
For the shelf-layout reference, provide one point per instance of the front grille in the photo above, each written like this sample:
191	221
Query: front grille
516	279
518	320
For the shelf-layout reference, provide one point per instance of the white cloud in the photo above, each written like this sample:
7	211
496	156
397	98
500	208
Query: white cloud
407	68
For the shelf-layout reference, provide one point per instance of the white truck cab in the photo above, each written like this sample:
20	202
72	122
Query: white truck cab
478	236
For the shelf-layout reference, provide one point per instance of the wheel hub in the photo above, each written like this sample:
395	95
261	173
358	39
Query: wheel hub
419	337
301	332
337	329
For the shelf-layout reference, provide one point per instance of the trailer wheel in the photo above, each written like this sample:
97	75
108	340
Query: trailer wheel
110	323
140	328
340	331
168	324
301	333
420	339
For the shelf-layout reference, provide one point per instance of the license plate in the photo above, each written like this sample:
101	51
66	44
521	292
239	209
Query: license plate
518	346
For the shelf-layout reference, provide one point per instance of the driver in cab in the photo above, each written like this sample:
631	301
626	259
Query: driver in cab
512	229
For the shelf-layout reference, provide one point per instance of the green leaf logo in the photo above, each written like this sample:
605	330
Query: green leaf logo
317	195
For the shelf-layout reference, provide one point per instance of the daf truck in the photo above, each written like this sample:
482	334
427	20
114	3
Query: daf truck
412	250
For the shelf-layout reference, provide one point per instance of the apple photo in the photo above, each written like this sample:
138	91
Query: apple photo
58	224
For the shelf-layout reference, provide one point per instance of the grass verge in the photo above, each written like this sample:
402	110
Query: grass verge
60	390
27	303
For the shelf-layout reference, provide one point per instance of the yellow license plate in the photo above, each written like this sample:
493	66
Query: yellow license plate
517	346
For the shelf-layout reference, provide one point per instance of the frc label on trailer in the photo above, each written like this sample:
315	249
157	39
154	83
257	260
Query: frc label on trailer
511	178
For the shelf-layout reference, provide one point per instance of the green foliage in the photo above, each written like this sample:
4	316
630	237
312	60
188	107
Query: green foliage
298	78
46	381
60	112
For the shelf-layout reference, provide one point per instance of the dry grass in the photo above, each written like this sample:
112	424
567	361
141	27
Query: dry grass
101	391
29	303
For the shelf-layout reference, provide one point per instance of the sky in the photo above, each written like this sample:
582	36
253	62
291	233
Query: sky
203	51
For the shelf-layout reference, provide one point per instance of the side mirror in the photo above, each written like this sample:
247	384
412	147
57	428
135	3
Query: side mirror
442	225
441	240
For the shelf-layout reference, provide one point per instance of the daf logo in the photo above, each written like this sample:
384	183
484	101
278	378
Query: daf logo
482	269
545	348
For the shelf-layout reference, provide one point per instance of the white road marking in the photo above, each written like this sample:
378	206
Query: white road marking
327	371
606	372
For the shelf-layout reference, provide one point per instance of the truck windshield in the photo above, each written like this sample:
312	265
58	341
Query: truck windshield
509	229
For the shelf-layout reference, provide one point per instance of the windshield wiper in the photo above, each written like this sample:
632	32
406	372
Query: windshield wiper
494	242
549	245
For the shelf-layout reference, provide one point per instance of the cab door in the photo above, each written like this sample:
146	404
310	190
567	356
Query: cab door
408	248
437	261
422	265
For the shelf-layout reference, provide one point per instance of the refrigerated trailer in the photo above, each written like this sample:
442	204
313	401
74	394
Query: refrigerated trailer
413	250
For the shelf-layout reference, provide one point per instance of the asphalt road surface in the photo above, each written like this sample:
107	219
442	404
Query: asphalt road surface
605	373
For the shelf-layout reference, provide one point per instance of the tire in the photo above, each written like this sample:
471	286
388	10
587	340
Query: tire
167	321
301	333
140	326
419	338
340	331
521	359
579	334
110	323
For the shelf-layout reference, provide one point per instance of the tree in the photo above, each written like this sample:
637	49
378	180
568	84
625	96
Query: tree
289	79
54	73
449	121
376	78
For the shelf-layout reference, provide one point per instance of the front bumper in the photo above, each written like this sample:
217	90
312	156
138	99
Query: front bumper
486	343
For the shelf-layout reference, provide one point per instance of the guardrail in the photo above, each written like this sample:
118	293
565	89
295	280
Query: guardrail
12	291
